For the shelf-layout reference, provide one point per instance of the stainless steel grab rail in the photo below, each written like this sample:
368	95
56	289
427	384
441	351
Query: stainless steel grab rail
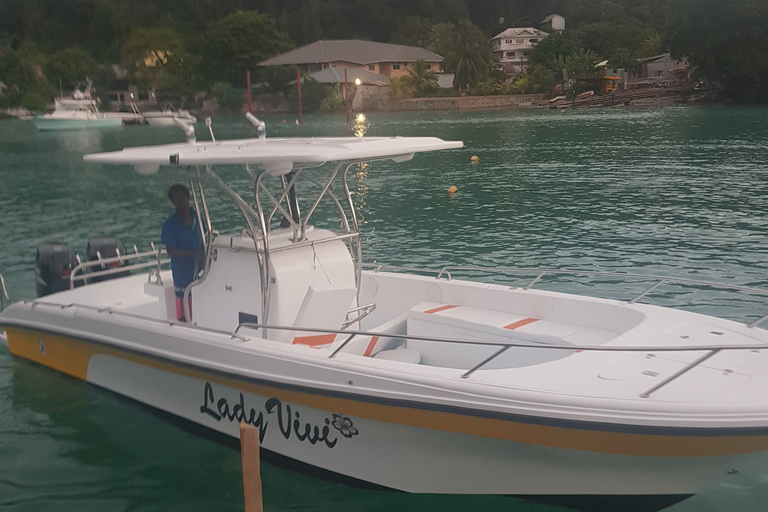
4	299
710	349
155	253
445	272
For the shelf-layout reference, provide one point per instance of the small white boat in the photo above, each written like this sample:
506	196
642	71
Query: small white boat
79	112
166	116
420	383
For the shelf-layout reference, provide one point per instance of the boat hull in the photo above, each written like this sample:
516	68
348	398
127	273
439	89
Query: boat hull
414	447
43	124
166	120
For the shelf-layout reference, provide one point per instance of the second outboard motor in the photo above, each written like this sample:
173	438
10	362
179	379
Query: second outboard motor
54	262
106	247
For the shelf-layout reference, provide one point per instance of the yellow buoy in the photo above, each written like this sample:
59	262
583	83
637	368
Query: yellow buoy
474	159
452	190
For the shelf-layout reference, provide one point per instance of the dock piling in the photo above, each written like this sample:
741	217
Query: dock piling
249	451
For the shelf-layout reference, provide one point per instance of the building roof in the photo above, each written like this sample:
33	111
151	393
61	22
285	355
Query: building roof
354	51
664	57
516	32
335	75
550	18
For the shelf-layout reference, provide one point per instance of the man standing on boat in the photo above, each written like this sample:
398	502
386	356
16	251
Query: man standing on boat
183	239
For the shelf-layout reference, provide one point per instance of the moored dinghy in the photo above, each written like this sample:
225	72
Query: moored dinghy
421	383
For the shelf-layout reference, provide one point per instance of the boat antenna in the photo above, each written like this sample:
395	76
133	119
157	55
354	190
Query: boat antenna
210	129
261	126
188	128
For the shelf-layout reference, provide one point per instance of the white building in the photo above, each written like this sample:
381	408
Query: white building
512	48
553	23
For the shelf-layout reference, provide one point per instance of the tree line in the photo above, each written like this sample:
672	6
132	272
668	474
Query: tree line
182	46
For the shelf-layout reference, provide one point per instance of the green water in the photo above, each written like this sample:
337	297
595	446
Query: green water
675	191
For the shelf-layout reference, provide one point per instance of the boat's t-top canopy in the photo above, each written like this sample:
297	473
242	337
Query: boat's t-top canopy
278	167
278	156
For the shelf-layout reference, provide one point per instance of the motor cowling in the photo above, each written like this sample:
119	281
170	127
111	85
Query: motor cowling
54	262
104	247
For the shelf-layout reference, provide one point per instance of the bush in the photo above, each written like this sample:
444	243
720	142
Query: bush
33	102
226	98
316	97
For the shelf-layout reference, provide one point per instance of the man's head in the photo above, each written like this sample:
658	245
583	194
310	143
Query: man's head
179	196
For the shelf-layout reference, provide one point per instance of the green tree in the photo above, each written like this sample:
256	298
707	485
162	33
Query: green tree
467	55
317	97
725	42
33	102
542	80
70	66
421	78
155	56
520	85
311	29
441	38
238	43
413	31
399	89
548	50
226	98
582	73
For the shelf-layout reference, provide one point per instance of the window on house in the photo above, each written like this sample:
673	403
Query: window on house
429	66
371	67
395	66
333	64
510	54
526	53
519	41
534	41
659	72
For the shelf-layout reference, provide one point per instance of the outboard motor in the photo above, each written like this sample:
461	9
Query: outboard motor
54	262
106	247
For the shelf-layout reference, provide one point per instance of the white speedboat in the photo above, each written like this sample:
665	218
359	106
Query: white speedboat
167	116
418	382
77	113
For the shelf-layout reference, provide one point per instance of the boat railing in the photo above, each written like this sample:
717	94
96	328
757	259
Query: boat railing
710	350
120	264
658	281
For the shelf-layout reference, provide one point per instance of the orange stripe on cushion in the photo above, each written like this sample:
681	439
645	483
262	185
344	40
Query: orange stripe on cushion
314	341
371	345
520	323
437	310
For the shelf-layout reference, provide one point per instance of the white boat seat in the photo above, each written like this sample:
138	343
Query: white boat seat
323	307
369	346
482	327
488	325
402	354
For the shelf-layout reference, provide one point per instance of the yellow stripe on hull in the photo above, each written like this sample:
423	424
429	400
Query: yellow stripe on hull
72	357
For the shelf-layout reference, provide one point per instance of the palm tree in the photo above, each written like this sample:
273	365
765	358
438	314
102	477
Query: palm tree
467	56
441	37
399	89
521	82
421	77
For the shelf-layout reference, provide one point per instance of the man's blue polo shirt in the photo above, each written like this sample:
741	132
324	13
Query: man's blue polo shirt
178	234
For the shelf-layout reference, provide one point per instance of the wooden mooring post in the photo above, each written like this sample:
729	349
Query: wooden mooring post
249	451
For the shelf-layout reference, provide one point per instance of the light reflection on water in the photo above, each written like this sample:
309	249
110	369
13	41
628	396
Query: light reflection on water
677	191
